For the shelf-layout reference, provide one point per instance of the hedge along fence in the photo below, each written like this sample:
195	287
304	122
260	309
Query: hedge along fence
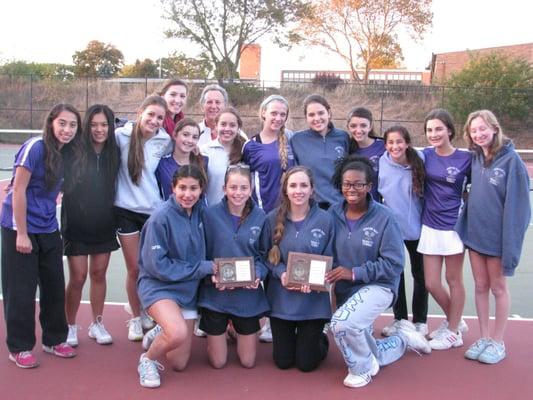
25	100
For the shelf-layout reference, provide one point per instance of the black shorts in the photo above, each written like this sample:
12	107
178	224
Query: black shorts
74	248
129	222
215	323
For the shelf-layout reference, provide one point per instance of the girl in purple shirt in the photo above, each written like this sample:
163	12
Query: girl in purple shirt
31	245
447	171
185	136
268	153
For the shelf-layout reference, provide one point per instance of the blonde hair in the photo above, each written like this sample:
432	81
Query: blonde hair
498	140
282	138
274	255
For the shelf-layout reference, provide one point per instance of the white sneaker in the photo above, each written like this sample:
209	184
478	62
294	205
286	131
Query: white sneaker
127	308
97	331
146	322
446	339
72	338
265	335
135	329
463	328
197	331
390	329
413	339
150	336
422	328
149	372
363	379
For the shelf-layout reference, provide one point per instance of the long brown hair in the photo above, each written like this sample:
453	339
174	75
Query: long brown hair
498	140
235	154
413	159
53	160
244	170
274	255
136	149
282	138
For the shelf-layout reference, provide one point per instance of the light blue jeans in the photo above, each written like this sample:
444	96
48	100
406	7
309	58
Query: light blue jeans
352	328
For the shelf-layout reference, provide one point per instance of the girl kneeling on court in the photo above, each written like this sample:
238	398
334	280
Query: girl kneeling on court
369	261
171	264
493	225
297	315
233	228
31	244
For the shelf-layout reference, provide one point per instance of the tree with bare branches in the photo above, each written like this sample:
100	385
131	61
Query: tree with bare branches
223	27
364	32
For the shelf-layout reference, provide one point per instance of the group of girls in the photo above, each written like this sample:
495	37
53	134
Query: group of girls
350	195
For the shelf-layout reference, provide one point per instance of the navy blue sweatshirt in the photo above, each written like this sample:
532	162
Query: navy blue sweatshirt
497	212
172	255
319	153
315	237
222	241
373	249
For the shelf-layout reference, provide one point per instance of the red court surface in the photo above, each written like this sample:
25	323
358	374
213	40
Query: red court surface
109	372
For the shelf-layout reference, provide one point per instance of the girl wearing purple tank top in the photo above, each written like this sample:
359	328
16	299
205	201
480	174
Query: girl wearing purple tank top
447	170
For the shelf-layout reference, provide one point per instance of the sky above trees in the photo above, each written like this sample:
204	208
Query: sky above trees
55	29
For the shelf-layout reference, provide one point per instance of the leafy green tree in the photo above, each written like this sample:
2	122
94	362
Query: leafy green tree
223	27
98	60
147	67
179	65
501	84
38	70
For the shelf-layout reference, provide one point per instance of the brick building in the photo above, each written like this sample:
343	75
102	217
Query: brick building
445	64
250	62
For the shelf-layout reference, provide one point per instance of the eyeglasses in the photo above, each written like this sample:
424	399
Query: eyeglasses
354	185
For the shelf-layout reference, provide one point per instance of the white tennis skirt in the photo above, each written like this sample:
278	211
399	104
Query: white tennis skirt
439	243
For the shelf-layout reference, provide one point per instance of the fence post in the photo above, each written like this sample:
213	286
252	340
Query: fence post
31	101
145	86
86	92
382	106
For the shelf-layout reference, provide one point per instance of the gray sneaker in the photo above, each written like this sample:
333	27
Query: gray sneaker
149	372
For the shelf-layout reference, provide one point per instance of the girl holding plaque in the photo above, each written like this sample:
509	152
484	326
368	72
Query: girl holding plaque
171	264
297	315
234	225
368	262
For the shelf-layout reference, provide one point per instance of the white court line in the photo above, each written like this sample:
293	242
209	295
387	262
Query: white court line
512	318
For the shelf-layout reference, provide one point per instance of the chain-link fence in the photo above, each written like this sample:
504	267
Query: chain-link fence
25	100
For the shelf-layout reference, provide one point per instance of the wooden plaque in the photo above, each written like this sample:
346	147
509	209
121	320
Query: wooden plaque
309	269
235	272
